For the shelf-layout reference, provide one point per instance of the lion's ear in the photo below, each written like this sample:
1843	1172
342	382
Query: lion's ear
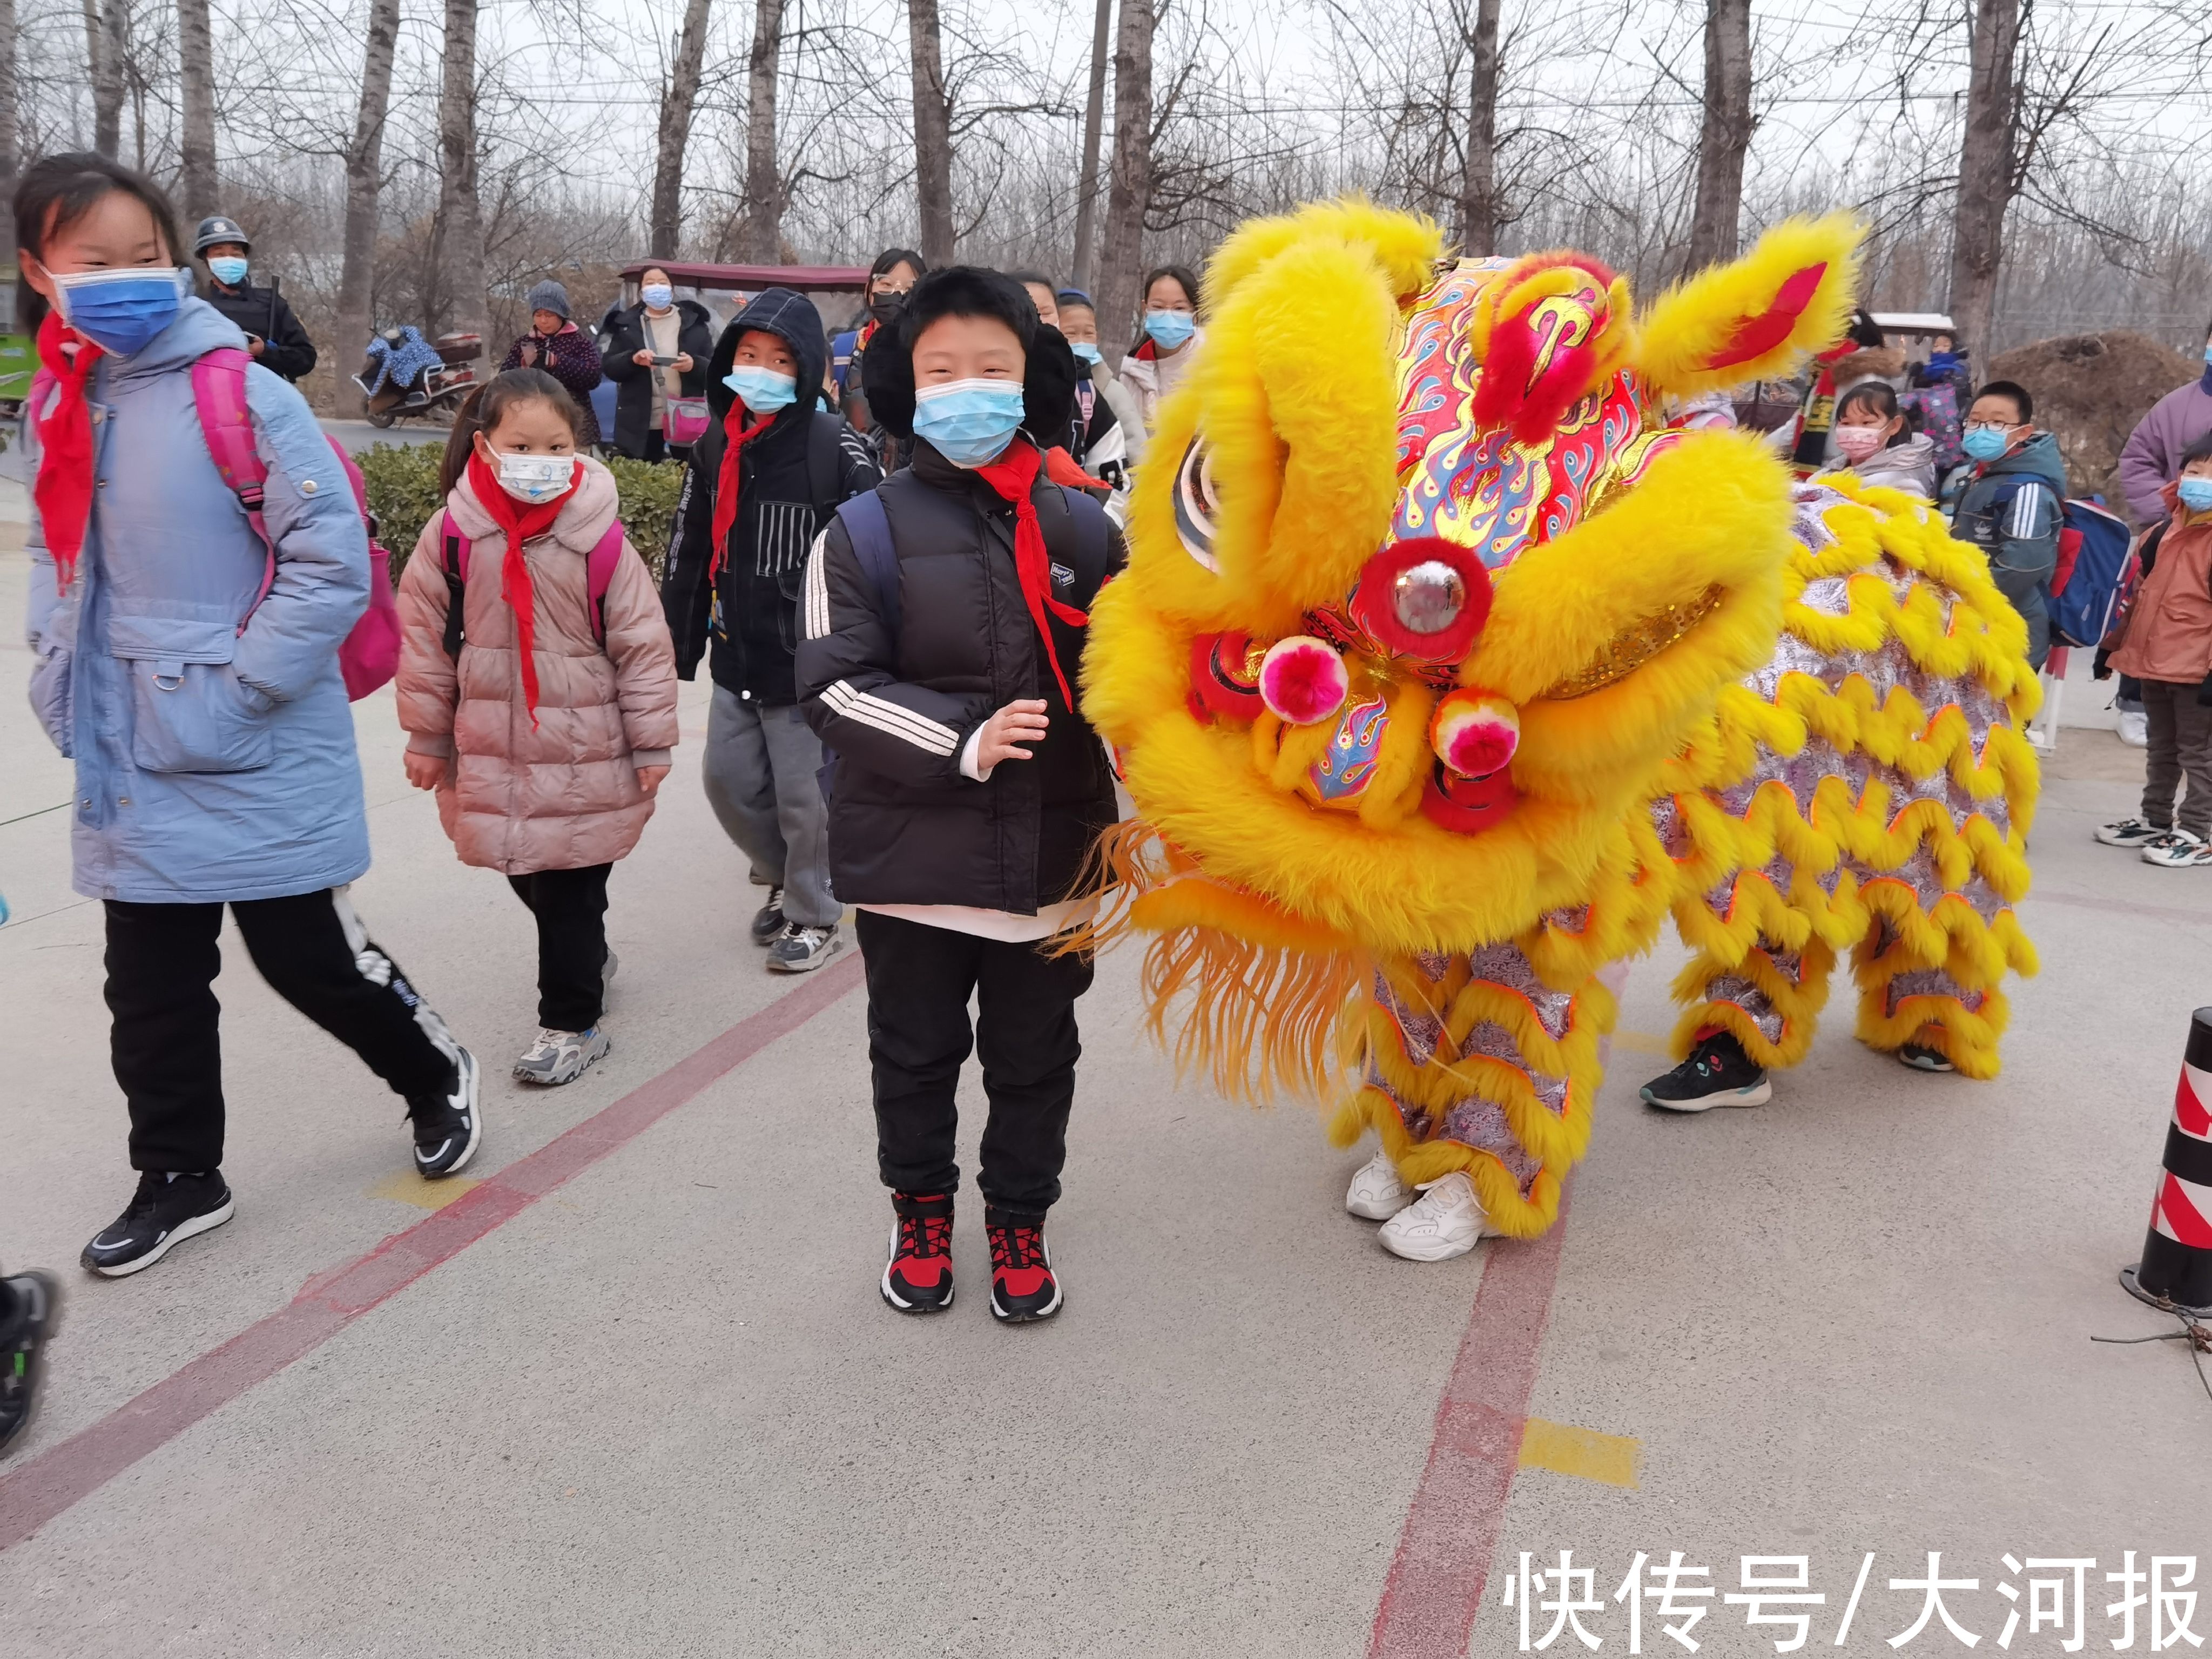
1791	296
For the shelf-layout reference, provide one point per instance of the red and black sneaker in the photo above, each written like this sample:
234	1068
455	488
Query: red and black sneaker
1022	1287
918	1280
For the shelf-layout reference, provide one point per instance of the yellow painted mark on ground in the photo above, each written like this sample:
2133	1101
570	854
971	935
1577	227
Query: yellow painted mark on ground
1566	1450
1643	1042
409	1187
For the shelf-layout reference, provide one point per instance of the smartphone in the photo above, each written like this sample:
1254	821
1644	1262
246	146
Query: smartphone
663	362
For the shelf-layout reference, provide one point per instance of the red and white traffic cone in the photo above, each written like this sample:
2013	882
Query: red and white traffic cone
2176	1259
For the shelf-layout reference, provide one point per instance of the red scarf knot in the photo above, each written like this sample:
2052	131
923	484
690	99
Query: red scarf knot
520	522
62	488
1013	475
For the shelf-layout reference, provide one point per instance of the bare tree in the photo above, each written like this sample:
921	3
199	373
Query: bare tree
1724	134
196	85
1988	173
1118	298
932	133
760	240
460	220
1479	207
1094	114
11	142
103	42
364	177
676	103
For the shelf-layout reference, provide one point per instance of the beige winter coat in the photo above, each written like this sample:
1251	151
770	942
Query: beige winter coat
564	796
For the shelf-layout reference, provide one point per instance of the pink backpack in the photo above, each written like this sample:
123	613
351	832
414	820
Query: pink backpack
370	655
453	560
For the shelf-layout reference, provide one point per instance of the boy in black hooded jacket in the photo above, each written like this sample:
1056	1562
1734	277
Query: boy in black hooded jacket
942	626
737	555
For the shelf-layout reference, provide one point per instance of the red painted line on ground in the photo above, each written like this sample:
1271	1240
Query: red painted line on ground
65	1475
1436	1581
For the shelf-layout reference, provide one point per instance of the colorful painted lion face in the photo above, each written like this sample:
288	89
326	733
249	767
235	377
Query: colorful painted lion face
1423	592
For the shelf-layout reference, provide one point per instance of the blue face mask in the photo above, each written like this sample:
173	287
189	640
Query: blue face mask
121	310
2208	354
1985	443
1171	329
2195	494
658	296
1090	353
229	270
762	390
969	423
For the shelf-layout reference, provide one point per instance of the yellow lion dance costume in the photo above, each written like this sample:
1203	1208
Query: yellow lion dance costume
1442	671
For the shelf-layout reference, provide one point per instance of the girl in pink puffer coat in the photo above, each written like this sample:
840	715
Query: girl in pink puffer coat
545	735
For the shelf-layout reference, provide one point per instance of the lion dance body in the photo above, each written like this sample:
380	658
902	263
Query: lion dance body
1443	672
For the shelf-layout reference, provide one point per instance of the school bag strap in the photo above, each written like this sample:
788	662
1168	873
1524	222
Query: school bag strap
1089	517
869	529
453	562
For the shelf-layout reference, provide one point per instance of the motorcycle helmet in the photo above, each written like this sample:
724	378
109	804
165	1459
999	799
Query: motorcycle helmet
219	229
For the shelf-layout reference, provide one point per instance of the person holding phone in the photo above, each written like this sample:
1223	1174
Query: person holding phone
656	350
273	333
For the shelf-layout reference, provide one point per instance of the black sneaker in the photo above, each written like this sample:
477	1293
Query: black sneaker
768	920
165	1212
448	1126
1923	1058
918	1278
1717	1073
802	949
35	1315
1022	1287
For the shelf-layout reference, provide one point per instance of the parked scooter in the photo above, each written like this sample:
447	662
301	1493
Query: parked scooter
404	374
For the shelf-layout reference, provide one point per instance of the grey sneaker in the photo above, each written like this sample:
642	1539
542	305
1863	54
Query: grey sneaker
802	949
559	1057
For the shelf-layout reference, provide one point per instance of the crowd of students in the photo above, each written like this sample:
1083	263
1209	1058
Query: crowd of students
885	550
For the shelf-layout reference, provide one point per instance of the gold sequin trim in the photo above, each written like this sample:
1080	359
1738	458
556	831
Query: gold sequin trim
1629	651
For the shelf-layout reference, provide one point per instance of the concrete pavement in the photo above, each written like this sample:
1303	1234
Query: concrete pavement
660	1410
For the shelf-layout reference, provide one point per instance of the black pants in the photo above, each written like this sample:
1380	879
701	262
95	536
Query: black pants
571	907
919	979
168	1048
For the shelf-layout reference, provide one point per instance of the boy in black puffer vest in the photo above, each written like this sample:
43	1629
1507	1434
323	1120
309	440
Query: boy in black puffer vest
943	624
737	555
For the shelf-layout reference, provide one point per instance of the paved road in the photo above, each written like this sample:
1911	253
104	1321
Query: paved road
357	436
636	1394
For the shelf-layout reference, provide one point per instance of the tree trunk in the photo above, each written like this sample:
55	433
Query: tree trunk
1131	191
1986	165
1725	135
933	134
196	84
364	172
667	213
1479	206
461	219
11	159
760	240
103	32
1094	114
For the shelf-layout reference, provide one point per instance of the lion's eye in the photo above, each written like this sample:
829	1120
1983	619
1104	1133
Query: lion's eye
1195	504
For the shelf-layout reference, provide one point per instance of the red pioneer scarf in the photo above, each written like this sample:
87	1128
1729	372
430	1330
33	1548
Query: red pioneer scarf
63	486
735	435
1012	474
521	522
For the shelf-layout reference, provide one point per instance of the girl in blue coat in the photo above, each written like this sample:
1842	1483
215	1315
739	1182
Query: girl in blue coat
213	743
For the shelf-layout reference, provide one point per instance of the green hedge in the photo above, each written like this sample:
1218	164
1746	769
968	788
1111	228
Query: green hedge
402	493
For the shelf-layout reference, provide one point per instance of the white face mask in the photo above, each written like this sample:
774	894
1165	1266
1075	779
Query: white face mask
536	479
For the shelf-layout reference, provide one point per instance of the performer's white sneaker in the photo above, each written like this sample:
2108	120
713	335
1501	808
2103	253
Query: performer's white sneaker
1376	1194
1444	1222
